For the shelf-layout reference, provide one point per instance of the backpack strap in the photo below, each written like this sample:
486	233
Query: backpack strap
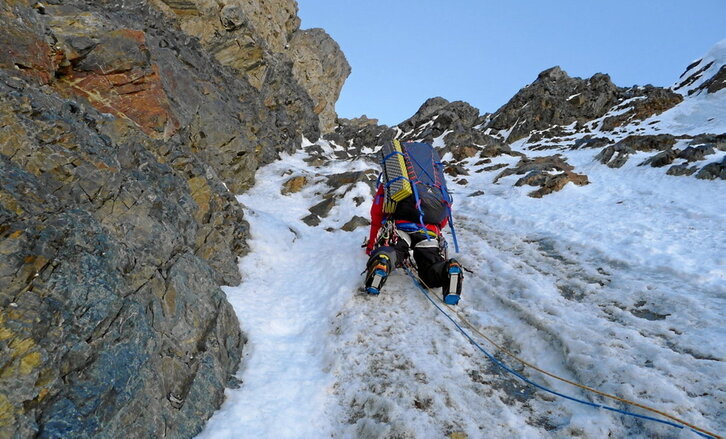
413	179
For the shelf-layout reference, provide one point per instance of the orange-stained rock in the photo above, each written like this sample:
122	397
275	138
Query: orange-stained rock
116	77
134	95
25	51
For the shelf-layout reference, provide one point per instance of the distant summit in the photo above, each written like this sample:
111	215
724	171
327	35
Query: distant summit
670	127
706	74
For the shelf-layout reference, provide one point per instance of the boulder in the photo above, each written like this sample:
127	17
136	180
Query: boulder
355	222
550	173
713	171
617	155
293	185
591	142
322	209
662	158
682	169
456	170
696	153
312	220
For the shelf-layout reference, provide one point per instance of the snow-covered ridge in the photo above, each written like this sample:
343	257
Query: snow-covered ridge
702	70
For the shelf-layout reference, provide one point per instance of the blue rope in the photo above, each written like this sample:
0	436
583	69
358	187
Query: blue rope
388	185
539	386
418	206
453	231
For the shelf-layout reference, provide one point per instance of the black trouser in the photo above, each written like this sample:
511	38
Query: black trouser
432	268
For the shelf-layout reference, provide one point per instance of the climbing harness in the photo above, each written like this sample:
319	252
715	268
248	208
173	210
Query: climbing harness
678	423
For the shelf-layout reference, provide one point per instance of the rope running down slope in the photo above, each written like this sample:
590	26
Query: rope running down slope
679	423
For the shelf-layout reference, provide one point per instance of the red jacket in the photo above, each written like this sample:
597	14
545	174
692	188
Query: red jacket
378	216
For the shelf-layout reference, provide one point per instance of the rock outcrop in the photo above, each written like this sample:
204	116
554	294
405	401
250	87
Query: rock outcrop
321	68
549	173
124	138
114	245
555	99
262	40
457	125
641	103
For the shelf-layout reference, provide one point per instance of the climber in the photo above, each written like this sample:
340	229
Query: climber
410	208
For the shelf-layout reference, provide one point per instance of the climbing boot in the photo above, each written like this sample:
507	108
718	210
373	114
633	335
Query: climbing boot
452	286
379	268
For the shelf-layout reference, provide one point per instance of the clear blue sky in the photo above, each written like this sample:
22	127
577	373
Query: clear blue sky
403	52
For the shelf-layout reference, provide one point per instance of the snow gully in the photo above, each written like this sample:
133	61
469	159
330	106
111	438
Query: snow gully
680	424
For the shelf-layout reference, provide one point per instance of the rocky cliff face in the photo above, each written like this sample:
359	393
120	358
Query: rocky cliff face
321	68
123	139
262	40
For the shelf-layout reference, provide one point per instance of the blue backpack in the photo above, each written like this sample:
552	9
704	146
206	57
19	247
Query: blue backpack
414	184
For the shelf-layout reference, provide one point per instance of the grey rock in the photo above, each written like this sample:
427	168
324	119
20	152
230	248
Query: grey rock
321	68
716	82
533	178
617	155
590	142
125	312
695	71
456	170
492	167
662	158
682	169
312	220
713	170
654	101
336	181
717	141
696	153
354	223
359	133
322	209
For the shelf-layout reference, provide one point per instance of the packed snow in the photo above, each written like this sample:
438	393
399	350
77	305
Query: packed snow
619	285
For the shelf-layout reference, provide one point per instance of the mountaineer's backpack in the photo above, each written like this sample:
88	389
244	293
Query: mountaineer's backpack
414	184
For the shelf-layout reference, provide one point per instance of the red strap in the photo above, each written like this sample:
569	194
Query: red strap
376	217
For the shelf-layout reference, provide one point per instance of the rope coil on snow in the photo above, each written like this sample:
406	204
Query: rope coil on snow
680	424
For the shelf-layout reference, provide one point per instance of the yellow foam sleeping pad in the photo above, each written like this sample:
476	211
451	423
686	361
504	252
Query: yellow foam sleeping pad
397	185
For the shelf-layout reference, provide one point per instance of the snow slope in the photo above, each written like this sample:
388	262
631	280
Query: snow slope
702	69
619	285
